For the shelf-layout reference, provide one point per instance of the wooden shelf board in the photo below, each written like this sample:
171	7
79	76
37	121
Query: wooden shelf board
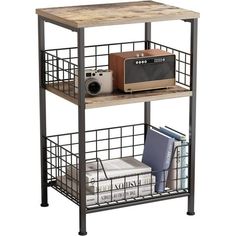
115	13
118	98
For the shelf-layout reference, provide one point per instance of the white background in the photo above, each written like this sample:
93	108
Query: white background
215	156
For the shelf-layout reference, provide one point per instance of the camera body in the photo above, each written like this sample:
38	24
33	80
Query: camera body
96	82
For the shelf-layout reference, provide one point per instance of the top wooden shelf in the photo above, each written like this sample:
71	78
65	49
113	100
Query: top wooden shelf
114	14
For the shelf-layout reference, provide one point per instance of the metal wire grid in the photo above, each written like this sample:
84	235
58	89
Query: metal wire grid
61	64
106	144
182	63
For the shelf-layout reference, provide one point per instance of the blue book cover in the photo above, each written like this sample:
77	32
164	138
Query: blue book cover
157	154
183	159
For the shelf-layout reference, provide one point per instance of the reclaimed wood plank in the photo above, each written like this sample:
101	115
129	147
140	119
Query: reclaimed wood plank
66	91
115	13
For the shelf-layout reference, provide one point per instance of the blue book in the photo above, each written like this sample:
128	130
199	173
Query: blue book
173	133
183	168
157	154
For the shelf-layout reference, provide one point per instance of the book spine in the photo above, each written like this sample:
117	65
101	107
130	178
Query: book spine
120	183
179	168
71	172
70	186
184	165
168	154
164	173
117	195
177	134
172	133
93	176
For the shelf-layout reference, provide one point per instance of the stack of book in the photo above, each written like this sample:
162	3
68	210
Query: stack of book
114	180
178	171
165	153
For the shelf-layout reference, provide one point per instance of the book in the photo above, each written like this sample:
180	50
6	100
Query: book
174	174
72	188
127	168
121	182
157	154
173	133
181	161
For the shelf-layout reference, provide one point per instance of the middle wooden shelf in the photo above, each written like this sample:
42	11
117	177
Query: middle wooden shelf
117	97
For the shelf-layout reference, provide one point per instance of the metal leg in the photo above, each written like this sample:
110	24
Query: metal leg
147	105
42	105
192	115
82	163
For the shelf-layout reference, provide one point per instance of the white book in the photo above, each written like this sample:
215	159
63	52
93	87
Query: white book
72	188
115	195
119	167
121	182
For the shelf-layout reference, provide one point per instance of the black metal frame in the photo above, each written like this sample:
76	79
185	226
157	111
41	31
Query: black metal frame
81	123
81	128
192	114
42	105
147	105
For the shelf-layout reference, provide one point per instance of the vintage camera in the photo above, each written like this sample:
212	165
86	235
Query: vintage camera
97	82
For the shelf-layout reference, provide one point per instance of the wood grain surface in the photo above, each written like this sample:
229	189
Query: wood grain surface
66	91
116	13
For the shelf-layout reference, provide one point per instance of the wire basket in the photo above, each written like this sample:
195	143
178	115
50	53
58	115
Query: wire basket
102	145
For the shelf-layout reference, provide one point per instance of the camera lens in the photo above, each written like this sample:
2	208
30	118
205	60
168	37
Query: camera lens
93	87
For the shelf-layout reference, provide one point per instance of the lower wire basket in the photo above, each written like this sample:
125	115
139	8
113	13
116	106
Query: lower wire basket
107	186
